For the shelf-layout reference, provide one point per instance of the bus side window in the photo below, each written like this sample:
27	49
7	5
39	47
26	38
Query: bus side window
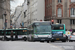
28	32
32	31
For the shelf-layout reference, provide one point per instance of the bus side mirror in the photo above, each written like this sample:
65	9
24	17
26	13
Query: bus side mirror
33	25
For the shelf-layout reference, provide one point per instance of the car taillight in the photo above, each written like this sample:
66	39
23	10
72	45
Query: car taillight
70	36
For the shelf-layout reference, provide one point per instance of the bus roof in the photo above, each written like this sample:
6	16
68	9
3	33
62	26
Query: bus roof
15	29
18	29
39	22
58	24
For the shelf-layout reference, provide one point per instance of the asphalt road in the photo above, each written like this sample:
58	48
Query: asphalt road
65	45
22	45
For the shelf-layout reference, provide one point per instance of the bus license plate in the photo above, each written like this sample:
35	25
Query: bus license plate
57	38
42	39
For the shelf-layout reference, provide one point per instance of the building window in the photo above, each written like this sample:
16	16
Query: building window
24	14
72	21
59	1
72	12
72	0
59	21
59	12
28	2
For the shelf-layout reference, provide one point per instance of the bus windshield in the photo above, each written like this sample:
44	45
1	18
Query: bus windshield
43	28
57	27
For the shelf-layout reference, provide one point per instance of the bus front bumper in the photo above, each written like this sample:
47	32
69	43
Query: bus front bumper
42	39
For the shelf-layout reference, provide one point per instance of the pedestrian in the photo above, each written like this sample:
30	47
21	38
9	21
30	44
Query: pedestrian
66	38
12	35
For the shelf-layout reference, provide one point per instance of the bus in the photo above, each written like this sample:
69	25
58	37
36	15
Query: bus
18	34
39	31
58	32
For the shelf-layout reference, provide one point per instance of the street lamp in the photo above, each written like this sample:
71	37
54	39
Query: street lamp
5	26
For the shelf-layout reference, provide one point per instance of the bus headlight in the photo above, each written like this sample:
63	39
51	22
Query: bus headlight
49	36
35	36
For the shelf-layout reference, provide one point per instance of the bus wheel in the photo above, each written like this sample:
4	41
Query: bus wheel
47	41
24	38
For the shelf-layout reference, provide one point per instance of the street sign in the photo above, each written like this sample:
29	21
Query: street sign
68	33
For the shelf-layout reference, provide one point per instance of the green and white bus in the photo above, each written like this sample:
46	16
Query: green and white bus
39	31
58	32
18	34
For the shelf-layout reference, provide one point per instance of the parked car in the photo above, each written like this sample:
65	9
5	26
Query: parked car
71	37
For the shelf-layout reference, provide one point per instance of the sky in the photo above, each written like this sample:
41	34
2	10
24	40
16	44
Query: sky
14	4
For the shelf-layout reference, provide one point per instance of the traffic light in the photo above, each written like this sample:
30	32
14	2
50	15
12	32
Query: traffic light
52	21
40	20
5	22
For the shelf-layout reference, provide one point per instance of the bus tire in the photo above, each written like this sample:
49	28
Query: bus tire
24	38
47	41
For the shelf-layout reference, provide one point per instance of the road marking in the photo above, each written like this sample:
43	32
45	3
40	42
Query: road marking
67	47
57	46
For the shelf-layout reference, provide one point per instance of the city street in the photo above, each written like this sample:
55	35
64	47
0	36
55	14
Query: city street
41	21
22	45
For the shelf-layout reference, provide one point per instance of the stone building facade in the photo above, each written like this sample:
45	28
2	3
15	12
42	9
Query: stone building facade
4	7
35	11
61	11
48	9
